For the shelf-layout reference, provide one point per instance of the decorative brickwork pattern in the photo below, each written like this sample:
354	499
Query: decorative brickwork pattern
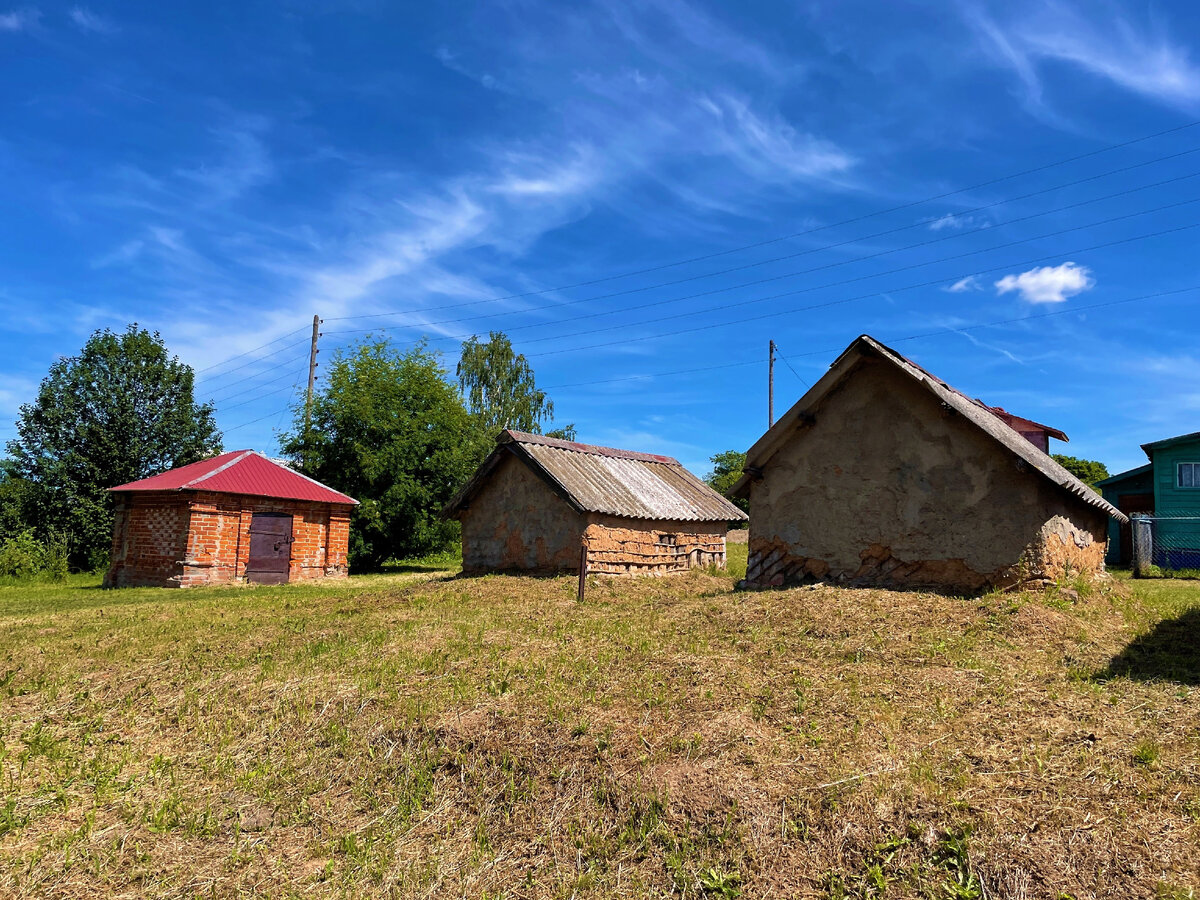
182	539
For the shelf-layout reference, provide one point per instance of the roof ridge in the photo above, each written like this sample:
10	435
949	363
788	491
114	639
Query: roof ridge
510	435
242	454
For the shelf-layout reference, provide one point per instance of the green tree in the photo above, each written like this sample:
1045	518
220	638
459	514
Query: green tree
1089	471
16	501
389	429
123	409
727	469
500	391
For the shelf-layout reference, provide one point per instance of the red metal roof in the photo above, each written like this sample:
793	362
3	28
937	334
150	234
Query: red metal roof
240	472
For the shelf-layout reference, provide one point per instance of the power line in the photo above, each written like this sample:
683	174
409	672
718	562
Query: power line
788	363
881	253
248	352
840	301
257	386
850	221
257	359
807	251
940	280
256	399
811	269
891	340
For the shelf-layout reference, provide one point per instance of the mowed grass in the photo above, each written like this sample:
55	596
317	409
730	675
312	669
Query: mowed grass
420	735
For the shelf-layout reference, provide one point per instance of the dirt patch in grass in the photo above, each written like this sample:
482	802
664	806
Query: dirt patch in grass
666	737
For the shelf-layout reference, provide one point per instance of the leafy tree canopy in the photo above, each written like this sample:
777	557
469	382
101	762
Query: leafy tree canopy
727	469
389	429
1089	471
500	391
123	409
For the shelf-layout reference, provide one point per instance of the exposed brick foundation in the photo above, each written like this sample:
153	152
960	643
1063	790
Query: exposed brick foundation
633	547
182	539
1060	550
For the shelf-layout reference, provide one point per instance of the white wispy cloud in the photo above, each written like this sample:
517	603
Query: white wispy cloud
956	223
243	161
19	19
769	146
970	283
1144	58
86	20
127	252
1048	284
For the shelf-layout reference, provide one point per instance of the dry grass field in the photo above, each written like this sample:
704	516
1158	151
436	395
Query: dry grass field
419	735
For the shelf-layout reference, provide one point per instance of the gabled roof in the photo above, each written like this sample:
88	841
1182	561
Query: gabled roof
240	472
1171	441
1122	476
974	412
606	480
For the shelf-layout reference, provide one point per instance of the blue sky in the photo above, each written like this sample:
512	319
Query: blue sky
631	191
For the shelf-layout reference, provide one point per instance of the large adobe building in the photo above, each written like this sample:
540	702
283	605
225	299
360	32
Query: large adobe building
238	517
543	505
883	474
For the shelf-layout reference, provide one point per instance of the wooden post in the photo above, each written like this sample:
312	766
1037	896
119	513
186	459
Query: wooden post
771	384
1143	544
312	375
582	569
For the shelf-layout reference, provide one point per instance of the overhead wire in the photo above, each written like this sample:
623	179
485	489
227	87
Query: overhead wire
807	251
844	300
251	350
827	226
864	217
889	340
831	265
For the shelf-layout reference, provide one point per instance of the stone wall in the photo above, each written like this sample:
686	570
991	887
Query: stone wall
885	486
175	539
620	546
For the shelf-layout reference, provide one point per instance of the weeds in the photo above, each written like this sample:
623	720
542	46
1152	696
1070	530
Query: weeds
410	736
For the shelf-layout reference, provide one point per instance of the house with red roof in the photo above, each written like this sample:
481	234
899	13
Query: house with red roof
240	517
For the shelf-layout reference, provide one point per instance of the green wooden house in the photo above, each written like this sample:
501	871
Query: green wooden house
1167	487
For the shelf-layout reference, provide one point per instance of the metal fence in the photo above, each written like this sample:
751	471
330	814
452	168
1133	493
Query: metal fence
1166	545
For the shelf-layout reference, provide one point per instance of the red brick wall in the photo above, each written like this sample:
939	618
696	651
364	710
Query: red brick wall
180	540
148	540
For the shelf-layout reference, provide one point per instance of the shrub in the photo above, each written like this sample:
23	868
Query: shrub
21	556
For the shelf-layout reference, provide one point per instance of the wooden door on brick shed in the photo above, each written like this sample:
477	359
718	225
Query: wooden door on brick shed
270	548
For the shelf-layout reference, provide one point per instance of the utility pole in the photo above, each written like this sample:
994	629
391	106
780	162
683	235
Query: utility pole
770	383
312	375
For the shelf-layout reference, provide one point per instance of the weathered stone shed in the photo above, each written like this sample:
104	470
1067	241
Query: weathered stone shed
238	517
543	505
882	474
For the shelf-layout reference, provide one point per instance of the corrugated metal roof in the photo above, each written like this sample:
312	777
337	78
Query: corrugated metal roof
973	411
240	472
611	481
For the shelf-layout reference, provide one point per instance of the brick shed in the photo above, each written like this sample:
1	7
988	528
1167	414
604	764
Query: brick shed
537	504
238	517
883	474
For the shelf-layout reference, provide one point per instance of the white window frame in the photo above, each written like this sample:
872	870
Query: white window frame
1179	485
